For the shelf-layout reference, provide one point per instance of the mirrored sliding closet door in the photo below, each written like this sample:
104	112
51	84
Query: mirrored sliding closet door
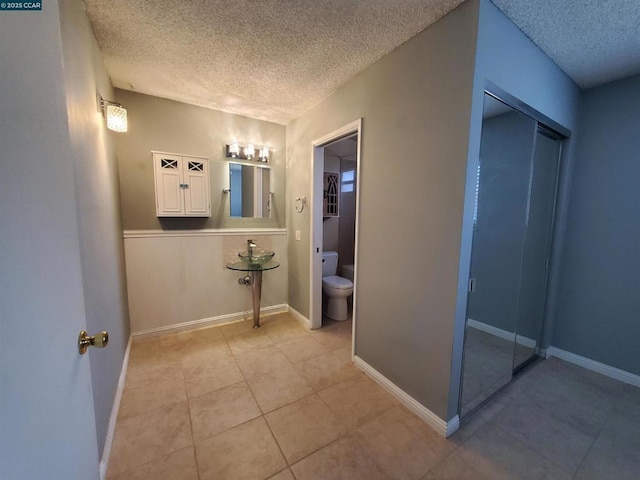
513	218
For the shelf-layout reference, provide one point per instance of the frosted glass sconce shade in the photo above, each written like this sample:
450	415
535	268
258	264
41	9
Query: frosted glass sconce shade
264	154
234	150
117	118
115	114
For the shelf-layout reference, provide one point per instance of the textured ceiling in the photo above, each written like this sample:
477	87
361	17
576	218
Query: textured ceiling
275	59
593	41
267	59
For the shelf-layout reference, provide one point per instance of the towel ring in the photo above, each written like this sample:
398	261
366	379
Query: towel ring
302	201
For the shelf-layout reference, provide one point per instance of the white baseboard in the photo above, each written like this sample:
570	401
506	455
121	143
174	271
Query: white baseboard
612	372
443	428
498	332
205	322
106	452
298	316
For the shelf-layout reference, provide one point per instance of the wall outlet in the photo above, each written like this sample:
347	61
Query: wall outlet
297	234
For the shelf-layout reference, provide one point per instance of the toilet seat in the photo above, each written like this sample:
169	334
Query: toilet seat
339	283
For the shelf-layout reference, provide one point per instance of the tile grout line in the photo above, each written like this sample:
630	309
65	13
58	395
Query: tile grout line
349	431
193	440
286	460
186	393
315	393
264	419
553	462
263	413
595	439
160	408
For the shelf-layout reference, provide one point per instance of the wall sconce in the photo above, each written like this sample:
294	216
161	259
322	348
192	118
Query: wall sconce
115	114
235	150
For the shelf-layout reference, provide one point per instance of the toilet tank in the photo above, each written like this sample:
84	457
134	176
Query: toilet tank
329	263
347	272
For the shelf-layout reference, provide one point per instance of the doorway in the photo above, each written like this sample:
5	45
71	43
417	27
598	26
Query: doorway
321	148
514	211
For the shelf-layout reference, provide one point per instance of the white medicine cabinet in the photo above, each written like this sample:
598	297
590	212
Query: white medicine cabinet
182	185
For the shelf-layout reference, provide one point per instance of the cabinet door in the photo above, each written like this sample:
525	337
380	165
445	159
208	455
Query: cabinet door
196	191
168	177
331	195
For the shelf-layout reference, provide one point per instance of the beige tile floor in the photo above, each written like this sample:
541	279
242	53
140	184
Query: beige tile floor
281	402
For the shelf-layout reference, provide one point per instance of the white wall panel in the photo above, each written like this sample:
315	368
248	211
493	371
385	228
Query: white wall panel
173	280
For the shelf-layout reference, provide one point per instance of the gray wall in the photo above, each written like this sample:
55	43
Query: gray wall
599	302
508	59
174	127
415	104
97	197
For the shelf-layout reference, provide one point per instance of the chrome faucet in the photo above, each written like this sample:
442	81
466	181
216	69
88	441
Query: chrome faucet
250	246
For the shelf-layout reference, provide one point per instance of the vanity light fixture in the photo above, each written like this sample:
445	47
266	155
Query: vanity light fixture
248	152
115	114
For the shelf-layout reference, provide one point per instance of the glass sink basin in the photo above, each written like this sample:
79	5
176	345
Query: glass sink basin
256	257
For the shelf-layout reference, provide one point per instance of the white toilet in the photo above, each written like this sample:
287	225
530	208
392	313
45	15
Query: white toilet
337	289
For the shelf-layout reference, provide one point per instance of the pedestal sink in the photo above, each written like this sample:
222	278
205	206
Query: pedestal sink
255	261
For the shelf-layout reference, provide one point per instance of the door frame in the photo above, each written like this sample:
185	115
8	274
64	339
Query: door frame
317	178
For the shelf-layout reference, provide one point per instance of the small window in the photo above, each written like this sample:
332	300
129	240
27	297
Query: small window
348	177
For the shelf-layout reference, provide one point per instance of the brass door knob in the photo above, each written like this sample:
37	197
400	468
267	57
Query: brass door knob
99	340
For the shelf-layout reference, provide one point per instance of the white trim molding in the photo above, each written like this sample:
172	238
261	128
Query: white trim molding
612	372
108	443
445	429
205	322
504	334
299	317
205	232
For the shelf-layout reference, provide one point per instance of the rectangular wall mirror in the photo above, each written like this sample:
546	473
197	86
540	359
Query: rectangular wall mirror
250	194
